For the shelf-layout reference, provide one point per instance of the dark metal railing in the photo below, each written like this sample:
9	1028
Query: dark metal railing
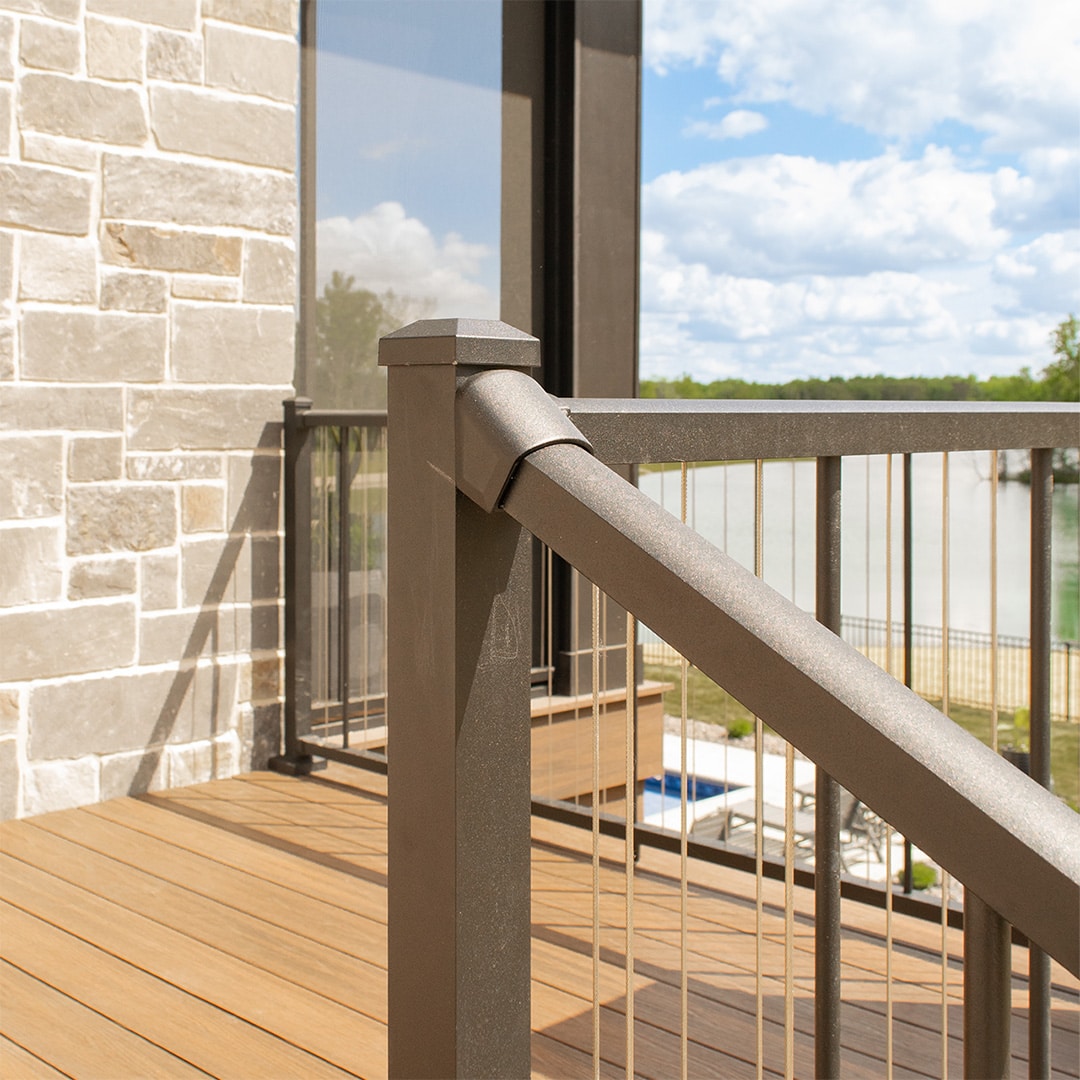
334	677
459	675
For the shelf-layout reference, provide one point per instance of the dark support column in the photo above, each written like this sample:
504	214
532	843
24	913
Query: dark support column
297	557
987	990
458	692
1042	490
827	798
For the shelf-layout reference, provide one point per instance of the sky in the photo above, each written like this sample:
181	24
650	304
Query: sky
828	188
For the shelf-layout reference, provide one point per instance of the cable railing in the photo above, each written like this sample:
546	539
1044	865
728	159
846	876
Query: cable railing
466	441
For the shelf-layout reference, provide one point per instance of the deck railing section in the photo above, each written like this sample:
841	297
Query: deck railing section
467	441
335	592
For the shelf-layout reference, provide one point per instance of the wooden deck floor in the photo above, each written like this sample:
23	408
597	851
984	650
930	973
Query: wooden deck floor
238	929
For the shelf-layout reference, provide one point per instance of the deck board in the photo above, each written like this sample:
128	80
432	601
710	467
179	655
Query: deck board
238	929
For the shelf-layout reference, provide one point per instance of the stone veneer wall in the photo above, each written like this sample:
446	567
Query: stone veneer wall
147	279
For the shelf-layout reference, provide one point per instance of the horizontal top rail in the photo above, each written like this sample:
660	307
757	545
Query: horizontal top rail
641	431
314	418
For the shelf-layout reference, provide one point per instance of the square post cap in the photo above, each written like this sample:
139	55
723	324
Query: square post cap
461	343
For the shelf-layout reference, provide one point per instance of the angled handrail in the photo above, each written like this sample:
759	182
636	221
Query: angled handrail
1005	837
468	437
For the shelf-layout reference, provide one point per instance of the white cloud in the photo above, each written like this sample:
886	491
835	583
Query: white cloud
386	249
1007	69
780	215
1044	274
736	125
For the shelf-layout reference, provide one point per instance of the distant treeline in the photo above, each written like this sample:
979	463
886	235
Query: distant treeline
1021	387
1059	381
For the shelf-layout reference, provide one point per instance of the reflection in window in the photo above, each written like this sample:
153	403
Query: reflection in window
408	178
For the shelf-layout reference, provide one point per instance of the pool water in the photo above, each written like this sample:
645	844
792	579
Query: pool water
664	792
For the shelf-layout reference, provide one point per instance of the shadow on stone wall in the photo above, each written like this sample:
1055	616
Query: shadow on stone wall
259	725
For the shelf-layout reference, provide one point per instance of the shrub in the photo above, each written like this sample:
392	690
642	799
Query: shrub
922	876
739	729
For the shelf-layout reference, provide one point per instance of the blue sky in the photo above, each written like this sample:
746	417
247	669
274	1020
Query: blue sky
828	188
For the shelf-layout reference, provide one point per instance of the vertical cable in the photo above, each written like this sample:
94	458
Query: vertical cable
944	974
596	828
550	660
888	828
789	912
759	783
365	605
631	819
343	597
945	583
945	710
993	599
684	981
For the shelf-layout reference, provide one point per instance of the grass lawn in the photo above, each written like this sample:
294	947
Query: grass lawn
707	702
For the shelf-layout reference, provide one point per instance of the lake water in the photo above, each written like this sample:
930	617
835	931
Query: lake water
721	507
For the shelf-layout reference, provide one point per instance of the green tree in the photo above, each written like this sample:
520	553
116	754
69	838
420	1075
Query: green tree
348	324
1061	377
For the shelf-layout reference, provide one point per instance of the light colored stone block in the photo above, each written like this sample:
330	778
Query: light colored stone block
92	579
153	248
254	493
37	198
111	714
190	764
233	344
185	287
49	45
7	351
151	189
85	347
31	476
58	268
59	785
168	419
93	460
10	711
5	120
251	63
195	122
114	51
31	567
178	14
61	408
68	10
159	582
202	508
174	467
269	272
7	272
7	47
135	773
10	779
67	153
50	643
236	570
184	635
214	699
120	517
133	292
81	109
266	679
174	57
277	15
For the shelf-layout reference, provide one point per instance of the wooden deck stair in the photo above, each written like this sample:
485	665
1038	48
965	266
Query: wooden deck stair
238	929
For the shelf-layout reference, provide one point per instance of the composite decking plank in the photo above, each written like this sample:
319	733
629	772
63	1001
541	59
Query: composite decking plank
333	882
322	1027
75	1039
356	984
352	933
210	1038
15	1061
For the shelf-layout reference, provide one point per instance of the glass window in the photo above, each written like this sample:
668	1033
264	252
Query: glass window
407	188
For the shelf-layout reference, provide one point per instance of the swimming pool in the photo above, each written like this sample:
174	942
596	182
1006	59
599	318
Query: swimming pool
664	792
